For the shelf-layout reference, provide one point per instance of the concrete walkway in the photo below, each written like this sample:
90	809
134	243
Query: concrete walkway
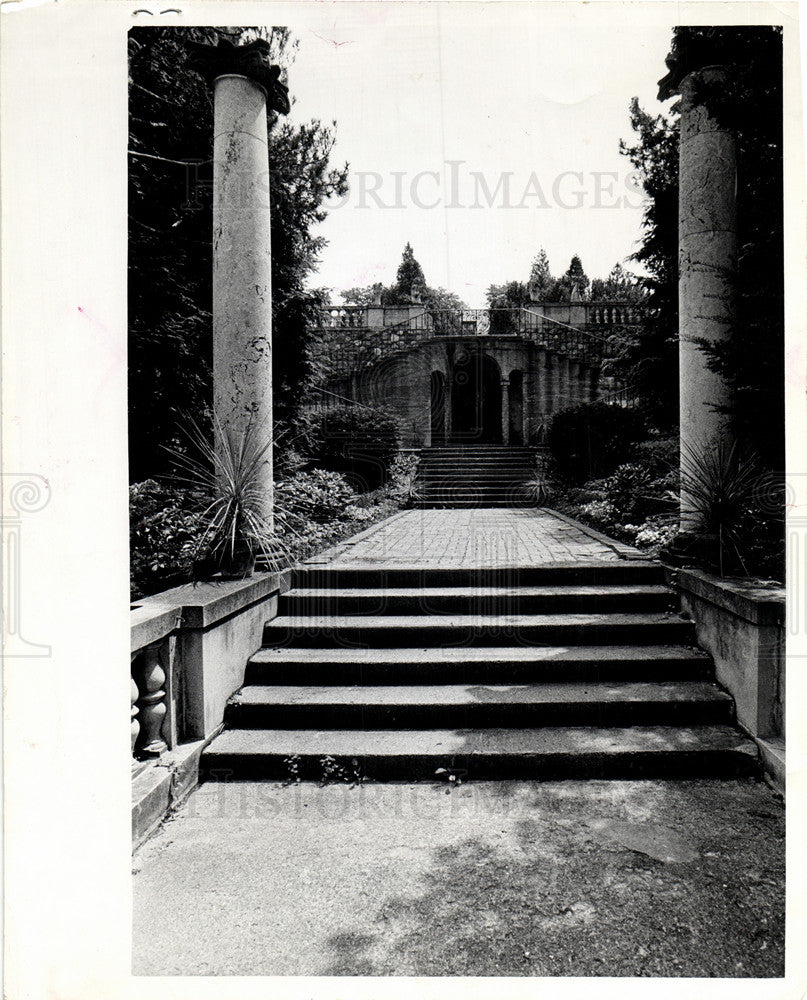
474	537
572	878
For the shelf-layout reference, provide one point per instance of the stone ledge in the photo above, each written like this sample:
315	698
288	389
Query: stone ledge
200	606
164	785
746	599
772	757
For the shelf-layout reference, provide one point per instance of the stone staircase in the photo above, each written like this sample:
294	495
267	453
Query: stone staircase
474	475
553	671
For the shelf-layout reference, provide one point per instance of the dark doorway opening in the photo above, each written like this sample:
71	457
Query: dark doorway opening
438	407
476	399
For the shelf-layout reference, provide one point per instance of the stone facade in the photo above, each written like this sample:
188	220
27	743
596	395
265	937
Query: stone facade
481	376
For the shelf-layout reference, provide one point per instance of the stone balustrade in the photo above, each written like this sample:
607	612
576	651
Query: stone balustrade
189	649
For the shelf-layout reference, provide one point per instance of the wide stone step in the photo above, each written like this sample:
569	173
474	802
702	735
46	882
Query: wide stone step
491	705
471	501
476	664
594	574
488	630
551	752
467	600
482	476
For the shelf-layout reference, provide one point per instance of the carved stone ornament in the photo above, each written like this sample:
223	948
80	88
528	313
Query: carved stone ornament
251	61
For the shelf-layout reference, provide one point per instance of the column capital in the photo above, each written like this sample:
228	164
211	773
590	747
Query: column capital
687	67
250	61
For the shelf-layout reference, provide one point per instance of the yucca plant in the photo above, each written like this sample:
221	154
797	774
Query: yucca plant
719	482
224	479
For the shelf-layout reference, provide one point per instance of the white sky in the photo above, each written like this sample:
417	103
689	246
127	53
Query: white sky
530	90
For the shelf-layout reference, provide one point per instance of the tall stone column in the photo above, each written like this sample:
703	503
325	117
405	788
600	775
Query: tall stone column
245	85
564	383
707	252
542	388
505	411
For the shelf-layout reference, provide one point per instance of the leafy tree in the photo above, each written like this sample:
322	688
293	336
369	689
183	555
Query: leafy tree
620	284
512	293
170	237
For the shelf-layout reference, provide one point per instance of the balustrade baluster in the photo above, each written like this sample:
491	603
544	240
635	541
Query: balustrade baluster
135	694
150	679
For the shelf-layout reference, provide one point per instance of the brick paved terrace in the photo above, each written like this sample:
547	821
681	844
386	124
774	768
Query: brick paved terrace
475	537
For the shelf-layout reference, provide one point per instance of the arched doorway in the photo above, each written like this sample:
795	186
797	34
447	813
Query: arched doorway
476	399
438	406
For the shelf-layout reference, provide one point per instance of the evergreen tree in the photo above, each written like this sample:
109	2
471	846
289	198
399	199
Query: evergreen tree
409	273
540	275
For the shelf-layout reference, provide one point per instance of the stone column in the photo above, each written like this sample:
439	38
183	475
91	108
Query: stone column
707	251
575	383
541	392
505	412
245	85
557	384
564	383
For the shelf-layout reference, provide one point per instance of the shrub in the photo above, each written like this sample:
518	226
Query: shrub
590	441
163	537
317	496
356	441
659	455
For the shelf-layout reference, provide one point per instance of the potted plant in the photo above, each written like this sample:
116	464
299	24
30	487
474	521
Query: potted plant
224	478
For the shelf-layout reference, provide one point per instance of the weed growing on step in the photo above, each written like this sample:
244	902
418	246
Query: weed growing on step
334	773
292	765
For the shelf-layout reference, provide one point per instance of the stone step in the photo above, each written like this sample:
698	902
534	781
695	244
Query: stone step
552	752
472	503
302	602
591	574
473	476
487	630
473	499
476	664
474	706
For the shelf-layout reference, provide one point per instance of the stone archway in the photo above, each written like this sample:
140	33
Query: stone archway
476	399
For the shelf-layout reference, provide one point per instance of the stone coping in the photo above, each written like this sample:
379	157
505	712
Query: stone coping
747	599
200	605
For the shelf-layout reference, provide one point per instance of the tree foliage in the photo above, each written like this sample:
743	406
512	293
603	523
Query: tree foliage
170	237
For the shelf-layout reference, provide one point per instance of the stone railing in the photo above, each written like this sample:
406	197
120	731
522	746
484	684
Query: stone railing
353	338
156	722
741	624
189	650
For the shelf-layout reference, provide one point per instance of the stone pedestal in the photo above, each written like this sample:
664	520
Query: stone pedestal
242	278
707	234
